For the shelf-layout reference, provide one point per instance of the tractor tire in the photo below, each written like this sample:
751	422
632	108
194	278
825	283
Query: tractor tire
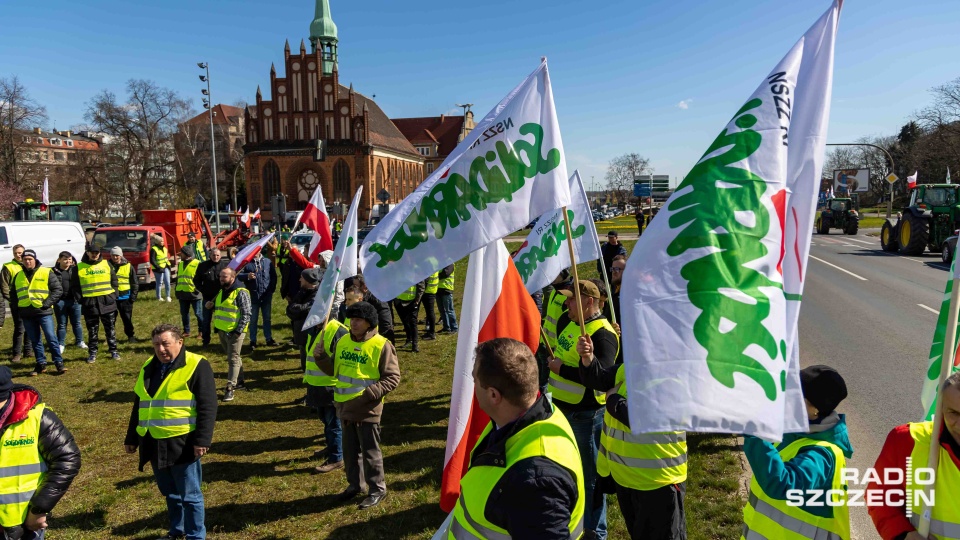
914	234
889	237
824	227
946	254
853	226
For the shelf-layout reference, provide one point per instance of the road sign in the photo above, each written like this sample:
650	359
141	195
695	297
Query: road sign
892	178
383	196
640	190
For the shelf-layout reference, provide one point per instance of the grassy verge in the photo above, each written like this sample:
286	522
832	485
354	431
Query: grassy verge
257	482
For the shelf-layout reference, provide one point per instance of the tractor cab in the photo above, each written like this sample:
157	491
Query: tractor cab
838	213
931	217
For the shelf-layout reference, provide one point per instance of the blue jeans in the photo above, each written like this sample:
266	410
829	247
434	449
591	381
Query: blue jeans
205	324
33	326
265	306
447	316
332	432
586	427
180	484
163	280
185	313
68	310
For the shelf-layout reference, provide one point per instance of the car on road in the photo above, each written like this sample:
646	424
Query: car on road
597	216
949	249
301	241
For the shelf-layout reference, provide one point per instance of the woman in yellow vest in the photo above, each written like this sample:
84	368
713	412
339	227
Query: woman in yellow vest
802	464
160	263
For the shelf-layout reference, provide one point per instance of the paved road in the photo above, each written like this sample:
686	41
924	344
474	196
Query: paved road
871	315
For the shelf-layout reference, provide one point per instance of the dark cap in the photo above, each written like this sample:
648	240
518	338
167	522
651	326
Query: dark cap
94	247
823	387
187	251
366	311
191	234
312	275
30	253
6	383
613	233
587	288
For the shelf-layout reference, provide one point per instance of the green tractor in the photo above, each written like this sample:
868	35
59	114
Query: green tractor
838	214
31	210
931	217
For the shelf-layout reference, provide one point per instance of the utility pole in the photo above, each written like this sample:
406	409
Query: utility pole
207	103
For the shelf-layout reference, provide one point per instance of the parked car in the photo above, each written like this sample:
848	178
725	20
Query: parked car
301	241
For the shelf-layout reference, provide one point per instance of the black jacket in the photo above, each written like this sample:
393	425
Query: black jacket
66	277
607	252
98	305
208	278
299	307
53	285
605	346
131	279
176	450
534	498
56	445
384	313
600	378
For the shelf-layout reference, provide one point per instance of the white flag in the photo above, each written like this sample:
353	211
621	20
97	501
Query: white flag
544	253
507	171
45	198
711	291
342	266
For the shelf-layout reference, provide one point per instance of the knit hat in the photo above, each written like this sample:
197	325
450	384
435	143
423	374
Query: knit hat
312	275
30	253
364	310
6	383
823	387
94	247
187	251
116	251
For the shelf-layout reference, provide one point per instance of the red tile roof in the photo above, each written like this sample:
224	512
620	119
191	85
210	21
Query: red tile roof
442	130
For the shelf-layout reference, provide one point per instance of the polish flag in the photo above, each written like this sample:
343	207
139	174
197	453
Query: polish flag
245	218
315	217
314	249
498	305
912	180
256	215
247	254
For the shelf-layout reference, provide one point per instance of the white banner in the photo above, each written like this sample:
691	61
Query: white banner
507	171
544	253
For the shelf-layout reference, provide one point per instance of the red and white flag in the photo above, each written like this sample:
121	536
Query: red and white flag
256	215
46	191
245	218
315	216
497	305
912	180
247	254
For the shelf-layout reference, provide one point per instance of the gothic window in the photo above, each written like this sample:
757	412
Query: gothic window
380	184
341	181
309	180
271	180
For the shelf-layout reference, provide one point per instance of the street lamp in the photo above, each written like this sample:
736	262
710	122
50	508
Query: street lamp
213	148
235	169
892	167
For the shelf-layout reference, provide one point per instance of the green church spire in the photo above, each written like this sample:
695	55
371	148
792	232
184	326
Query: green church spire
323	35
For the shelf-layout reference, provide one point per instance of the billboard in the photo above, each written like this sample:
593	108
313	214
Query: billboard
847	181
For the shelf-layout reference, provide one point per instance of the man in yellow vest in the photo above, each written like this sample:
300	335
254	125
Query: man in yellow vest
35	290
448	280
231	314
39	456
160	264
802	464
525	479
583	407
366	369
407	305
10	270
912	442
188	291
95	286
199	250
172	423
431	288
127	288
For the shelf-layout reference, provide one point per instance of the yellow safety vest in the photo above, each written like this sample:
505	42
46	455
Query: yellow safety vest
94	279
172	411
199	253
555	308
123	278
774	519
14	268
22	469
945	514
642	462
552	439
327	340
35	292
226	314
163	260
408	294
448	282
356	366
185	273
566	349
433	282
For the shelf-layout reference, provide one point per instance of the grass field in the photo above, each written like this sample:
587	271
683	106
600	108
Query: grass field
257	482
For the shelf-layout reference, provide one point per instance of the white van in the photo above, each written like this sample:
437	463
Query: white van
47	238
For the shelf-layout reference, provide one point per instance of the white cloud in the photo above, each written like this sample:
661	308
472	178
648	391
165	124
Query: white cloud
685	104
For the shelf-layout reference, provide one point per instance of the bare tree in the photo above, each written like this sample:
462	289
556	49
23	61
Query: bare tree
623	171
139	151
19	113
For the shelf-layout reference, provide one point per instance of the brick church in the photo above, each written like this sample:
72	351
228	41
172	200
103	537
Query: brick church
308	108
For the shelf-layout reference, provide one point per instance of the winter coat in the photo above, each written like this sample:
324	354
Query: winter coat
53	285
262	287
56	445
208	278
66	278
607	252
299	307
98	305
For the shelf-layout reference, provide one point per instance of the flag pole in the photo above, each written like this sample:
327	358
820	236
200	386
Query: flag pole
946	365
573	267
606	281
546	342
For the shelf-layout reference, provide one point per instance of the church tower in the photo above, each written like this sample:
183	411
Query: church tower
323	36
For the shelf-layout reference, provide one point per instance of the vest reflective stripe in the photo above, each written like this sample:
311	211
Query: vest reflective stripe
94	279
163	260
172	412
123	278
22	469
945	513
433	282
766	517
35	292
555	309
185	273
551	438
356	366
566	350
448	282
408	294
226	314
313	375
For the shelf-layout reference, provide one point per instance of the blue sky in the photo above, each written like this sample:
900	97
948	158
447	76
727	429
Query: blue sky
620	69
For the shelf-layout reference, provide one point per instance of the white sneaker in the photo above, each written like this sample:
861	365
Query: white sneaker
61	349
82	345
169	300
